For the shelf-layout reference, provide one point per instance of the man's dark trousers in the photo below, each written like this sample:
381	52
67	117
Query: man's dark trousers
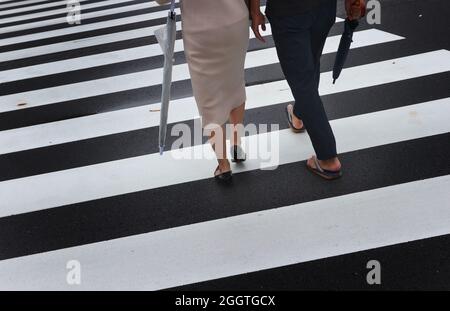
299	41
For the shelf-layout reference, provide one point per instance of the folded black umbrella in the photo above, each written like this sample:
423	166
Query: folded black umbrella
344	47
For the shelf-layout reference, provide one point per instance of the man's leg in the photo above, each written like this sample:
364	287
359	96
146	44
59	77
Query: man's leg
324	19
293	39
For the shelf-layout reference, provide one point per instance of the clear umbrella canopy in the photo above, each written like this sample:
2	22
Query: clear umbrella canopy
166	38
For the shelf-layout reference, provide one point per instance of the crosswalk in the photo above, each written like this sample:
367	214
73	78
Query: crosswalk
81	178
12	7
256	58
117	83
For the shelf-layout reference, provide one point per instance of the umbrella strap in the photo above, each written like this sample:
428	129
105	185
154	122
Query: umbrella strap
172	6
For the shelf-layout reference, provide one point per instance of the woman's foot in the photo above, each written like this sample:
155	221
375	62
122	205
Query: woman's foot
237	154
223	171
329	169
295	123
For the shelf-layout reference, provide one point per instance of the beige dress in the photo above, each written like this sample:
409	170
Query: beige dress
216	37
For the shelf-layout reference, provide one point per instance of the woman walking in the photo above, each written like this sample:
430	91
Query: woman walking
216	37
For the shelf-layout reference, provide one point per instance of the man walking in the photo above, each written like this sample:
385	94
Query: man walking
299	30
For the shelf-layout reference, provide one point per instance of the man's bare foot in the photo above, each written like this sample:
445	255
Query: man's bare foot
329	169
297	124
333	164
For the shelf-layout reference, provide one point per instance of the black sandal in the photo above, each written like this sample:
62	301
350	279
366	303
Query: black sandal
289	119
237	154
222	177
326	174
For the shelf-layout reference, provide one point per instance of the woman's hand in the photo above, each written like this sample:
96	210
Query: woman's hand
258	19
355	9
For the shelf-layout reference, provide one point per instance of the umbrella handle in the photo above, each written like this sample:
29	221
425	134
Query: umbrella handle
172	13
172	6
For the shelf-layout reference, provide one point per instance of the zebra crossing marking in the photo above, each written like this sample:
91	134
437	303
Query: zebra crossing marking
262	95
254	58
139	173
239	244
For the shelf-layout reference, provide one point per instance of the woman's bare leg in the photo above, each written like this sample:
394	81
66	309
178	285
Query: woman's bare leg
217	138
236	120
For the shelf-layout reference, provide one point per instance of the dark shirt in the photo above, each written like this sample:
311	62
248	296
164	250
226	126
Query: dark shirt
289	7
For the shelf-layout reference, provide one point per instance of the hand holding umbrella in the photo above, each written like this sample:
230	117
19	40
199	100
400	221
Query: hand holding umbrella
355	9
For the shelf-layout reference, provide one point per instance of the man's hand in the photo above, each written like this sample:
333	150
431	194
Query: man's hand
355	9
258	19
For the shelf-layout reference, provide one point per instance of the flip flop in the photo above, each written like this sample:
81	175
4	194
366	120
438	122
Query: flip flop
326	174
289	119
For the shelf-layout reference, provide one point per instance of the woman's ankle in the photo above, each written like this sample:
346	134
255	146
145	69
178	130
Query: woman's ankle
223	164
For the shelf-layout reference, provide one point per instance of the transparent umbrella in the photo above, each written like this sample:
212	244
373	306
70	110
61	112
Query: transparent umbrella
166	38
